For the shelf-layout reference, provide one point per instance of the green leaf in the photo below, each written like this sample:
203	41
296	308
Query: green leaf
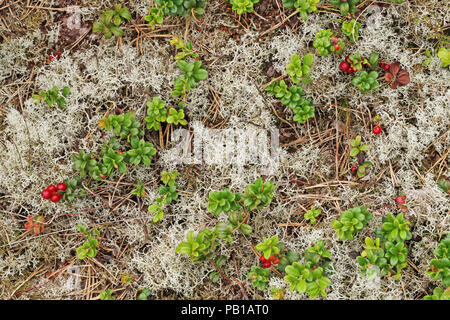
246	229
97	27
444	55
354	152
116	31
364	147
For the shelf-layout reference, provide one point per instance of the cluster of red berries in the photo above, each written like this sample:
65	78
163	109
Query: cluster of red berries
52	192
267	263
335	41
346	66
384	66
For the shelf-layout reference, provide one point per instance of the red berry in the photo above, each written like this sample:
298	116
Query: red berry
46	194
386	67
351	70
336	47
276	260
376	129
262	259
55	197
272	257
267	264
401	199
51	188
61	186
344	66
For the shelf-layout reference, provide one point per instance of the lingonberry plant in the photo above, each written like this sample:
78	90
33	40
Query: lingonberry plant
35	223
317	256
110	21
223	201
268	247
53	97
173	8
139	191
444	55
260	277
112	161
258	194
73	189
186	49
293	98
219	261
267	263
193	73
439	294
394	229
366	81
90	247
287	258
276	293
235	221
326	42
156	15
304	111
372	61
351	221
362	169
290	97
106	295
304	7
177	116
200	247
156	113
125	125
357	147
243	6
86	165
168	193
390	258
312	214
299	68
255	197
345	6
144	294
440	266
444	184
305	278
351	29
309	277
183	7
141	151
356	61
